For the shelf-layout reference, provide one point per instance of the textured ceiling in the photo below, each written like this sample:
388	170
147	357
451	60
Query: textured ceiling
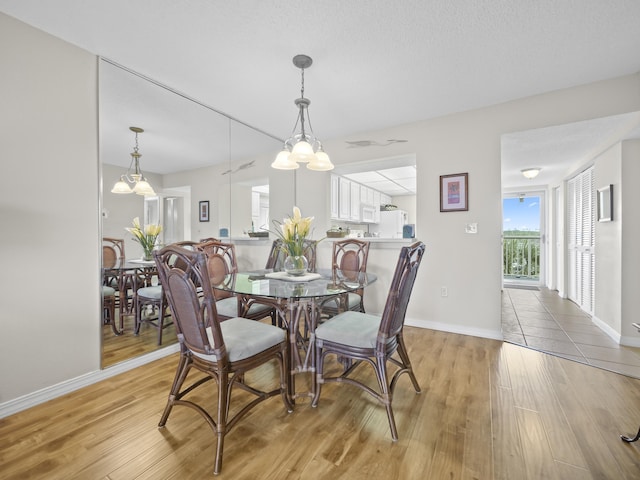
377	63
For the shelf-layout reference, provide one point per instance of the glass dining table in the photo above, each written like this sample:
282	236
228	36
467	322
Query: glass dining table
297	302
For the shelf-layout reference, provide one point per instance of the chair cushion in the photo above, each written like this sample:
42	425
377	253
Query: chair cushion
108	291
356	329
154	293
353	301
244	338
227	307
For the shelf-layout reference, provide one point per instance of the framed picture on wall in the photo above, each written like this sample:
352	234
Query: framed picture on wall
454	192
204	210
605	204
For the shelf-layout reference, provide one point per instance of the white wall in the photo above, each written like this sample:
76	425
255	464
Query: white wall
608	239
50	315
49	123
627	203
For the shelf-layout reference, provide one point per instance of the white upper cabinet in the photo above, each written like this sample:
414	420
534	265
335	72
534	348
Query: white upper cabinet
354	214
344	199
335	197
353	202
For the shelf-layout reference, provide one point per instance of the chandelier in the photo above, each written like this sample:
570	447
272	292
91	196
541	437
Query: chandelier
302	146
135	178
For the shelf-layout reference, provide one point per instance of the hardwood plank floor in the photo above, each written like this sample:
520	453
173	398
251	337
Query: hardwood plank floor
488	410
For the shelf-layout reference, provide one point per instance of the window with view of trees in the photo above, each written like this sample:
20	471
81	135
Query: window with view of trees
521	237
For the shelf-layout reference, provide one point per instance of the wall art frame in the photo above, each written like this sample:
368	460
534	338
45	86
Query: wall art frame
454	192
203	208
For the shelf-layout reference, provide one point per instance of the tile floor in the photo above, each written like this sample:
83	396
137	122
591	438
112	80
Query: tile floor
541	320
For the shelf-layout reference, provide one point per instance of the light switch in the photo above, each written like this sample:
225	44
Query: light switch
471	228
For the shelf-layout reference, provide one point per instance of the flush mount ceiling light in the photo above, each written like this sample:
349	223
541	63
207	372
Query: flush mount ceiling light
140	184
531	172
302	147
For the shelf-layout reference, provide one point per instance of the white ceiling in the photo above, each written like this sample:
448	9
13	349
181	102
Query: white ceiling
376	63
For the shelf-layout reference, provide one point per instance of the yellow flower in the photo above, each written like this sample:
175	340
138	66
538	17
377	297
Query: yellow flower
146	237
293	232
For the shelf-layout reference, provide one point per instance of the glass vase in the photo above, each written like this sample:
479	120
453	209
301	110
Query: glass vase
147	254
296	265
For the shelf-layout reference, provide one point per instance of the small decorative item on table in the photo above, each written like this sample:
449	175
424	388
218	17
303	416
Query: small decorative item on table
146	237
293	232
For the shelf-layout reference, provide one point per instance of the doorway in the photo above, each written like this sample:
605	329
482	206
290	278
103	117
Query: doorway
523	236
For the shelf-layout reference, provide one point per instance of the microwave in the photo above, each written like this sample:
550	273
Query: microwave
368	214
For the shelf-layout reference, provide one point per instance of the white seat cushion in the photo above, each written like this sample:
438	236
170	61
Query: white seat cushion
353	301
154	293
228	307
244	338
108	291
356	329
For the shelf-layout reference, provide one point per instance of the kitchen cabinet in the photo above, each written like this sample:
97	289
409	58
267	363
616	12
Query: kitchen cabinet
335	197
354	210
353	202
344	199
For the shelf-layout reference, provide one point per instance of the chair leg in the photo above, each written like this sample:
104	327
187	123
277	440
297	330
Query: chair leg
386	396
184	365
161	315
221	425
137	315
404	356
319	374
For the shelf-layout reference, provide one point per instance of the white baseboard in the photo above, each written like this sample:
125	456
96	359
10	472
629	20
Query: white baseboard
49	393
606	328
446	327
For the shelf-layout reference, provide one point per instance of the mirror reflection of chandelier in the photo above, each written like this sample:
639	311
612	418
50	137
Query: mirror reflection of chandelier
302	146
135	178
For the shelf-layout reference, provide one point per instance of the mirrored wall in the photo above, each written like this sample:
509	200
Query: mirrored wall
203	165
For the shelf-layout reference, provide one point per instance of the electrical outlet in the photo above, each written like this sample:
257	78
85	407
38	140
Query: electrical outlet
443	291
471	228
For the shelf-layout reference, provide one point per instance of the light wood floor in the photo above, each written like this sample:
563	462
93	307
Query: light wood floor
488	410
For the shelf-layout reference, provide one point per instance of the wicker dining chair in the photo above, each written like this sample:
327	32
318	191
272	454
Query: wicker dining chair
149	295
221	263
357	337
349	261
223	351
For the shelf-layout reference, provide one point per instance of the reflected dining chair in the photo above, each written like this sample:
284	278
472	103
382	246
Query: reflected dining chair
223	351
349	262
357	337
149	295
109	307
112	255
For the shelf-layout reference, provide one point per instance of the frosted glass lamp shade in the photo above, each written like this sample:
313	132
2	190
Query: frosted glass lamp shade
283	161
121	187
322	163
143	188
302	152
